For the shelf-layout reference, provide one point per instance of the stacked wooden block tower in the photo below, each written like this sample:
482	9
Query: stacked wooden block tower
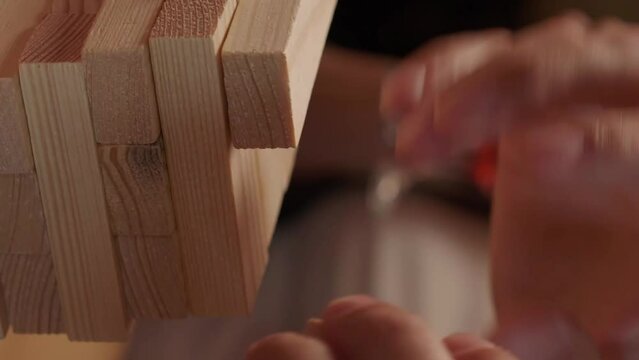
145	147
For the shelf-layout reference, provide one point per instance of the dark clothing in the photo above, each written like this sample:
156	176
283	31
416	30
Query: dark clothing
397	27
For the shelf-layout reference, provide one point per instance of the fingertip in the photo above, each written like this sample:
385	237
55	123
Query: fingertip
494	353
346	305
289	346
364	328
462	343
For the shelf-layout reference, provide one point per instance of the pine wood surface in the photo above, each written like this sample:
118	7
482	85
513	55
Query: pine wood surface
153	278
17	18
119	74
185	46
137	190
271	58
65	154
31	294
23	228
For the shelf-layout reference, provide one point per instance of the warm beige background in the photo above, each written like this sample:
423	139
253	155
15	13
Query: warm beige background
26	347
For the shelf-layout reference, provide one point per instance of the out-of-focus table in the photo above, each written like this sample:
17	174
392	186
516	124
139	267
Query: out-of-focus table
427	257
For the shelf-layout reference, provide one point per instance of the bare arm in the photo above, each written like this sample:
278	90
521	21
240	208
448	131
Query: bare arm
342	131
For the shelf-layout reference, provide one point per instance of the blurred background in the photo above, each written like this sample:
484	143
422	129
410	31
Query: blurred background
428	254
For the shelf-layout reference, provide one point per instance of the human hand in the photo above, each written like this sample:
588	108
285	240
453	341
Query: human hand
361	327
562	97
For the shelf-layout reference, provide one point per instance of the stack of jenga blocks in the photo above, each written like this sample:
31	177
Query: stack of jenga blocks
145	148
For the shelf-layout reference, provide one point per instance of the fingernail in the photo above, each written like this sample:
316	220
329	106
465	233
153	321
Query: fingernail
344	306
460	344
549	338
314	328
402	91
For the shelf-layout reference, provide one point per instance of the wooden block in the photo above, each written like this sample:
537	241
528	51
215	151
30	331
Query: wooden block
271	58
152	276
260	179
31	294
80	7
119	76
4	315
66	158
17	18
218	191
137	190
185	46
23	229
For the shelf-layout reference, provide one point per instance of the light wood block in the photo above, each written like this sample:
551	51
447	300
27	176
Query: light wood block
119	76
185	46
226	208
152	276
260	179
23	229
137	190
31	294
66	159
17	18
271	58
79	7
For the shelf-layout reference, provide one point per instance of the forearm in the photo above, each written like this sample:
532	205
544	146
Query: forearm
342	131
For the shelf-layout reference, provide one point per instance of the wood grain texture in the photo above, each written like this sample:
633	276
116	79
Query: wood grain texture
23	228
17	19
65	154
152	277
260	179
226	200
119	75
78	7
4	314
271	58
31	294
185	46
137	189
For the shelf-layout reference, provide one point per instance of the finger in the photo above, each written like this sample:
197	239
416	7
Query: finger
571	73
573	24
458	344
313	328
407	94
435	65
592	146
289	346
359	328
493	353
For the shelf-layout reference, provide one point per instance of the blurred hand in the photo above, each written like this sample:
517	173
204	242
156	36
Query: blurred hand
562	99
468	89
362	328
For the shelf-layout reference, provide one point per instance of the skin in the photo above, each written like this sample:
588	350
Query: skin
561	98
360	327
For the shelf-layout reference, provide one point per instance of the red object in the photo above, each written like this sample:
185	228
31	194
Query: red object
484	169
